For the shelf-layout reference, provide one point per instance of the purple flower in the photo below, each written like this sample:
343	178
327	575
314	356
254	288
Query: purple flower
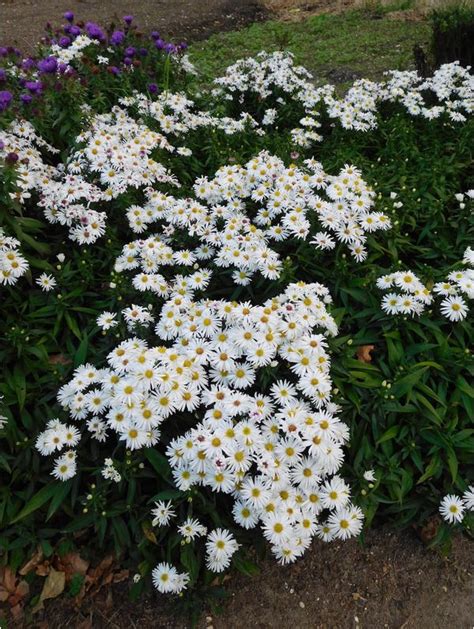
143	52
3	51
26	98
5	99
152	88
27	64
160	44
3	75
75	30
183	45
113	70
117	38
69	16
128	19
64	42
94	31
154	35
170	48
128	61
130	51
48	65
11	158
34	87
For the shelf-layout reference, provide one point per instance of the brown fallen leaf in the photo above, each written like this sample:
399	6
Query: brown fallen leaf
428	531
100	575
59	359
13	591
363	353
7	583
17	612
221	580
71	564
43	569
53	587
149	533
32	563
121	575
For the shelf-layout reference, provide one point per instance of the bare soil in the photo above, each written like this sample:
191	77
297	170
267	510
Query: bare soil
22	21
392	582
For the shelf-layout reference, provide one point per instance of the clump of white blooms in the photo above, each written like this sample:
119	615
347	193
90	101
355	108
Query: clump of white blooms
74	51
12	264
110	472
252	379
240	217
46	282
408	295
456	288
220	547
277	451
168	580
162	513
191	529
119	151
274	81
107	320
453	508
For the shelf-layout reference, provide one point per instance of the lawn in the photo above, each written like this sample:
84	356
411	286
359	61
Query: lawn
328	45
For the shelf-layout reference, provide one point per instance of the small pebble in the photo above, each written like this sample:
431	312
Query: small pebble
302	605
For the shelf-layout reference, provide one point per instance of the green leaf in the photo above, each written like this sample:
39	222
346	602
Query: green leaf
59	497
190	561
453	464
388	434
81	353
38	500
158	461
245	566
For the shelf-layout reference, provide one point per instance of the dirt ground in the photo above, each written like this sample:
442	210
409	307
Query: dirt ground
393	582
22	21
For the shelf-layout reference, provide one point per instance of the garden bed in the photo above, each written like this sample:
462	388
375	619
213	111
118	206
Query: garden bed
310	410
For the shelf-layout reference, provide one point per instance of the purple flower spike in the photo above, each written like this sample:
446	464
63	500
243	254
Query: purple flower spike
117	38
128	19
5	99
34	87
75	30
28	64
69	16
160	44
48	65
94	31
64	42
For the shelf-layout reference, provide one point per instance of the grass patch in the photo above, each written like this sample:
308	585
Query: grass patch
323	43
